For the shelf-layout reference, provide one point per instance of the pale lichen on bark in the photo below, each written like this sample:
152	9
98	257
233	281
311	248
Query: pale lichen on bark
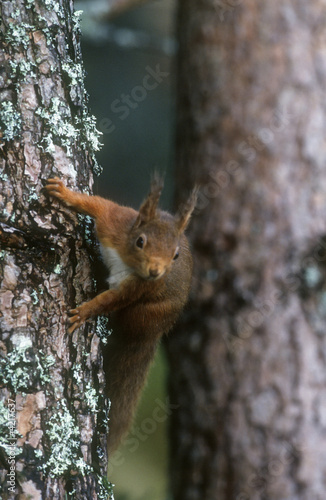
46	130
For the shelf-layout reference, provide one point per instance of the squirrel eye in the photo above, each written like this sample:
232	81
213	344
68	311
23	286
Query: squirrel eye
140	242
176	255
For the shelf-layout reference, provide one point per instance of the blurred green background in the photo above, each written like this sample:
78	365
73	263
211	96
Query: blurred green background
116	56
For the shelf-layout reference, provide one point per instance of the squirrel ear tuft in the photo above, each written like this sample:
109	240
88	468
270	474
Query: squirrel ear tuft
148	208
184	213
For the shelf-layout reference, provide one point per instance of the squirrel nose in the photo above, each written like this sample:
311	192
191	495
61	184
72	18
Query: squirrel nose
154	273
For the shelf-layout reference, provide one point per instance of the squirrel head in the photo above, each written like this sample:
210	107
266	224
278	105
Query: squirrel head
154	239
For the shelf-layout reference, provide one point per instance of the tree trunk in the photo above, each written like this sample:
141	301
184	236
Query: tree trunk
50	381
248	361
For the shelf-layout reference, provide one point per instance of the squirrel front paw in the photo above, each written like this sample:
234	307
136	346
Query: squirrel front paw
78	316
56	188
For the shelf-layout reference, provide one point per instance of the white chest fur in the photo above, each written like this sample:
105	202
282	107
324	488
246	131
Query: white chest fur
119	271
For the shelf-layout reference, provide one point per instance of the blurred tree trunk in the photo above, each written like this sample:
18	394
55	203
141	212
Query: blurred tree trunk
52	410
248	361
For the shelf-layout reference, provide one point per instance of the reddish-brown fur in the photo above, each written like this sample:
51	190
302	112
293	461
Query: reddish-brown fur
149	298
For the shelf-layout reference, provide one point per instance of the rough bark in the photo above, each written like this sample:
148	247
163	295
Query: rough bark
52	414
248	361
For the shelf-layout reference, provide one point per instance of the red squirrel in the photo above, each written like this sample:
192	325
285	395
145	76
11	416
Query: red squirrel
150	267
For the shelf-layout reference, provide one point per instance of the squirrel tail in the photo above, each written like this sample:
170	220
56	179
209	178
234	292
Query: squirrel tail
126	369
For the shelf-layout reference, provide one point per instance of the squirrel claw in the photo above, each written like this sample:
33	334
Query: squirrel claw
74	313
55	187
77	317
74	320
73	327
